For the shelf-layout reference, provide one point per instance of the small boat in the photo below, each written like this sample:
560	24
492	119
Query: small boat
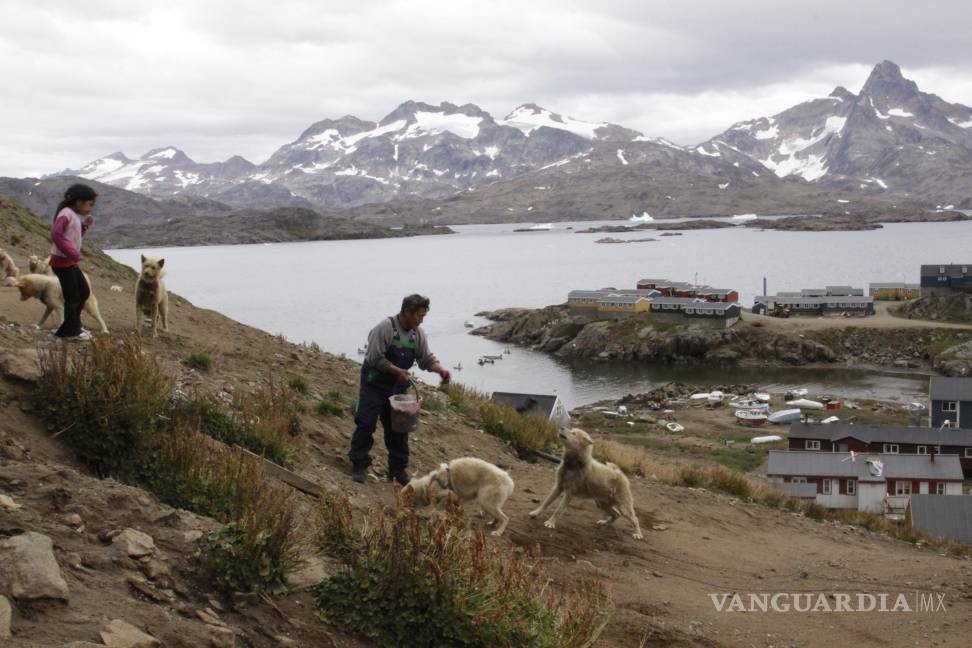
468	324
762	396
506	352
748	404
458	367
493	357
915	407
674	427
362	351
770	438
751	416
785	416
644	218
831	419
745	217
701	396
485	360
794	393
716	398
804	403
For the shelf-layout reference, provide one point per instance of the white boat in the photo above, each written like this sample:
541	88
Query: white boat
644	218
751	416
744	217
785	416
794	393
716	397
701	396
770	438
748	403
543	227
762	396
831	419
804	403
468	324
674	427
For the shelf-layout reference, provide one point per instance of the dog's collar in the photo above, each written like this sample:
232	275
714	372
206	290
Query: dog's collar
448	483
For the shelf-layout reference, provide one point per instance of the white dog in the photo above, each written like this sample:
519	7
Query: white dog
468	479
151	299
36	265
579	474
47	289
8	269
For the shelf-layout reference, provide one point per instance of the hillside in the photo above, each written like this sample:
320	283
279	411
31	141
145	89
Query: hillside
697	541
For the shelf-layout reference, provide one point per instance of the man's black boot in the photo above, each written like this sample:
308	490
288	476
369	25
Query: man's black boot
360	473
399	475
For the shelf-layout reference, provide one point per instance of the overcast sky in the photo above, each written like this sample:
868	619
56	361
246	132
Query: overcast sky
81	79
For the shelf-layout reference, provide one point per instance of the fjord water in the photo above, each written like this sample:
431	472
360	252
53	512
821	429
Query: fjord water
333	292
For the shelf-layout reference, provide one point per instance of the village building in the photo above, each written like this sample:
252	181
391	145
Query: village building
878	483
944	518
684	310
894	291
683	289
805	303
949	399
883	439
710	311
950	279
548	406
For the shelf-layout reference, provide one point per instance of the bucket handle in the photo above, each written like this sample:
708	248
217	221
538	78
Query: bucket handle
418	396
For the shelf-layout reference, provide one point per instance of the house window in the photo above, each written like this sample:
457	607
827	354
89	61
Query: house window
965	269
890	448
968	453
902	488
941	269
940	488
814	444
938	449
852	487
949	406
922	450
798	480
828	487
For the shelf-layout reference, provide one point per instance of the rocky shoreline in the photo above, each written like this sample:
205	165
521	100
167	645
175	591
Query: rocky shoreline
556	331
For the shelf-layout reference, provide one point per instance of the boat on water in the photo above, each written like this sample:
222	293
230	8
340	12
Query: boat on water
769	438
362	351
458	367
493	357
748	404
751	417
785	416
484	360
674	427
468	324
645	217
744	217
716	397
805	403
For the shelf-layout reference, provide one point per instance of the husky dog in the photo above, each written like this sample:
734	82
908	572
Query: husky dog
8	269
36	265
468	479
47	289
579	474
151	299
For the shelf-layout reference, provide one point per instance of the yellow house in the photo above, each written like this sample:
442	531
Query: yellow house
894	291
585	299
623	305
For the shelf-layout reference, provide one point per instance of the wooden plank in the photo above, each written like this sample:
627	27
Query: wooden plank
547	456
286	476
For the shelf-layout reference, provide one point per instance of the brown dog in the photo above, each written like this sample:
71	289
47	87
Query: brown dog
151	299
47	290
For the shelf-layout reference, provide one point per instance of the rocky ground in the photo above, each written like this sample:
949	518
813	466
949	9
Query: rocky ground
91	562
880	341
857	220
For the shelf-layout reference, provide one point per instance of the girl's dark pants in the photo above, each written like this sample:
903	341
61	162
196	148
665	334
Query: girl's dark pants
75	289
373	406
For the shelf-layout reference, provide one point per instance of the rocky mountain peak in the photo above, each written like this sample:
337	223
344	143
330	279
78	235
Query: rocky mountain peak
168	154
842	93
886	80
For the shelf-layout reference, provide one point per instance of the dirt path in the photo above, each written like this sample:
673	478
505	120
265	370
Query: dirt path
882	319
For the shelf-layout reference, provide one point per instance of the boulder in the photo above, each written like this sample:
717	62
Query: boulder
121	634
134	543
21	365
28	569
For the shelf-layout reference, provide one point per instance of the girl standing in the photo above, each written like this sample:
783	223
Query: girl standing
71	222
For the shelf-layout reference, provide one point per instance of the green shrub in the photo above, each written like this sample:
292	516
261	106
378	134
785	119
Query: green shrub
199	361
335	396
105	401
325	406
298	384
434	584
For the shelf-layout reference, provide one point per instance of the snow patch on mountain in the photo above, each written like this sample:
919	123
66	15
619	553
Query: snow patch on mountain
898	112
621	157
434	123
769	133
965	124
528	118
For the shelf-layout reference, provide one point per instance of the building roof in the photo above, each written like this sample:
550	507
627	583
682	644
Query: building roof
838	464
623	299
950	389
715	291
588	294
900	285
542	404
682	301
794	298
882	433
644	292
948	517
951	269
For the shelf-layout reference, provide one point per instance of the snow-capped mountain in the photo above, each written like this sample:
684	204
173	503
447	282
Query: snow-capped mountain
890	138
417	151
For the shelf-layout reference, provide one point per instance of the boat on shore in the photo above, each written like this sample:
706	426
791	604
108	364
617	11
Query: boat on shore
748	404
770	438
805	403
674	427
785	416
751	417
715	398
762	397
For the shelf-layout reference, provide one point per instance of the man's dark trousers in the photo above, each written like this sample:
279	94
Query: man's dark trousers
373	406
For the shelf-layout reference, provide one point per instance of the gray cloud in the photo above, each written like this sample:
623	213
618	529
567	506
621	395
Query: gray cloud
218	78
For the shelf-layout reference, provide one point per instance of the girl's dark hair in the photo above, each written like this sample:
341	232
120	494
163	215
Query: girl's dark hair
75	193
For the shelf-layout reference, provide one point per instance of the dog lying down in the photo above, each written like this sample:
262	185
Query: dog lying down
468	479
47	289
580	475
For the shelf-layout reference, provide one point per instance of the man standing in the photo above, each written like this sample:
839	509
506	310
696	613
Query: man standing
394	345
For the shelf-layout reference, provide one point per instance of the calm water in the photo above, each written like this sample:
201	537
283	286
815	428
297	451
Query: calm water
333	292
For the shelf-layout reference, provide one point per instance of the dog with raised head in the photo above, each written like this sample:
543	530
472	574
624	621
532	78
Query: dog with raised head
47	290
8	269
468	479
581	475
37	265
151	298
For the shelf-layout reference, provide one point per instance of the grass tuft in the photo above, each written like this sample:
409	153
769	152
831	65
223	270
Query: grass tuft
199	361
